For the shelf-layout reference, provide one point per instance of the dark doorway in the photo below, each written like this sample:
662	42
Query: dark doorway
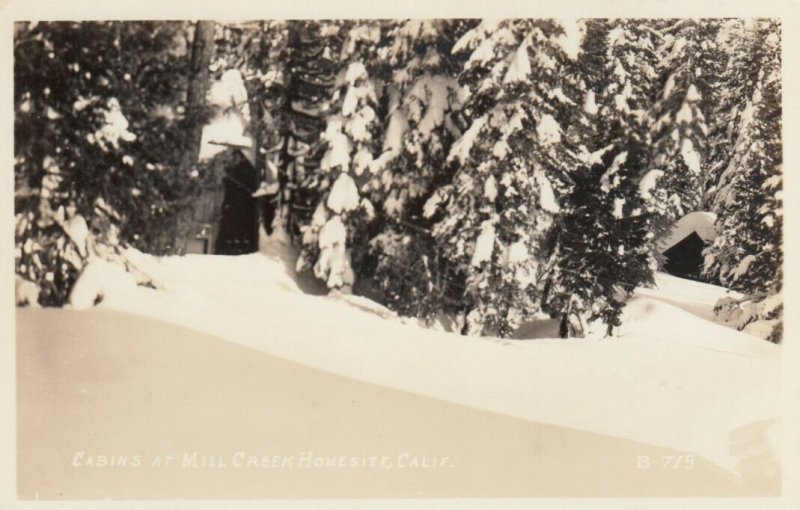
238	225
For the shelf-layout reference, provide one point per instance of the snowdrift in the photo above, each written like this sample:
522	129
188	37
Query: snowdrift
673	378
151	388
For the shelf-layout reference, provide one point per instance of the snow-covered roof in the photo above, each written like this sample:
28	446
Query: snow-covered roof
701	222
227	128
223	131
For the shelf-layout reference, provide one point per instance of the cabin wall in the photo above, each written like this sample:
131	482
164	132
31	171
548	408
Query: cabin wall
685	259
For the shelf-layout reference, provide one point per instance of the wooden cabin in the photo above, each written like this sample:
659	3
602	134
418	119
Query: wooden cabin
225	220
683	246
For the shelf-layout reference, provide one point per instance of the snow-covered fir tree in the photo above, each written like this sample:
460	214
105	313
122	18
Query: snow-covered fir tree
678	119
747	254
511	169
734	71
625	70
422	93
313	49
98	139
602	245
602	238
344	177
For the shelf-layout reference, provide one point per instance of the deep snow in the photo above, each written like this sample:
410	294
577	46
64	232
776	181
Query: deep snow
120	385
672	377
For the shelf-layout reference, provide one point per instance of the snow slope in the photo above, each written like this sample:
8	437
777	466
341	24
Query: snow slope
699	299
673	378
152	388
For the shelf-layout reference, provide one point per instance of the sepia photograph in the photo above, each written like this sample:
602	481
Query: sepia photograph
382	258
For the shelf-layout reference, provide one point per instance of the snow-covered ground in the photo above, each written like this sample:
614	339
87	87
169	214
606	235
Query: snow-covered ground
106	383
655	383
699	299
672	378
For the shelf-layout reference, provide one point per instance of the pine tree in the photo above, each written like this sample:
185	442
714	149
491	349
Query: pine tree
736	66
602	240
627	77
511	165
337	230
678	120
313	54
602	250
97	144
747	254
423	93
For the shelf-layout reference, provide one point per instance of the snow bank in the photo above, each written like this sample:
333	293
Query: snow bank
672	378
700	299
101	280
26	292
151	387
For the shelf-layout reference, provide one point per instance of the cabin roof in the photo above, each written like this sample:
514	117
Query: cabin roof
699	222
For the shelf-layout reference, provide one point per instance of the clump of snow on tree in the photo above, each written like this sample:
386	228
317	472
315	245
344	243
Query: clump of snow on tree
484	244
223	130
547	198
572	38
432	204
520	67
228	91
333	265
548	130
649	182
344	195
115	127
517	252
490	188
462	147
589	103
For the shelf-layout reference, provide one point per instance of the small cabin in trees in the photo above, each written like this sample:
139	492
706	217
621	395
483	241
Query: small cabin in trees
225	219
683	246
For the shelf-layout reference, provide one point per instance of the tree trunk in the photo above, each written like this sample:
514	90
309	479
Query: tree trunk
202	51
563	328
